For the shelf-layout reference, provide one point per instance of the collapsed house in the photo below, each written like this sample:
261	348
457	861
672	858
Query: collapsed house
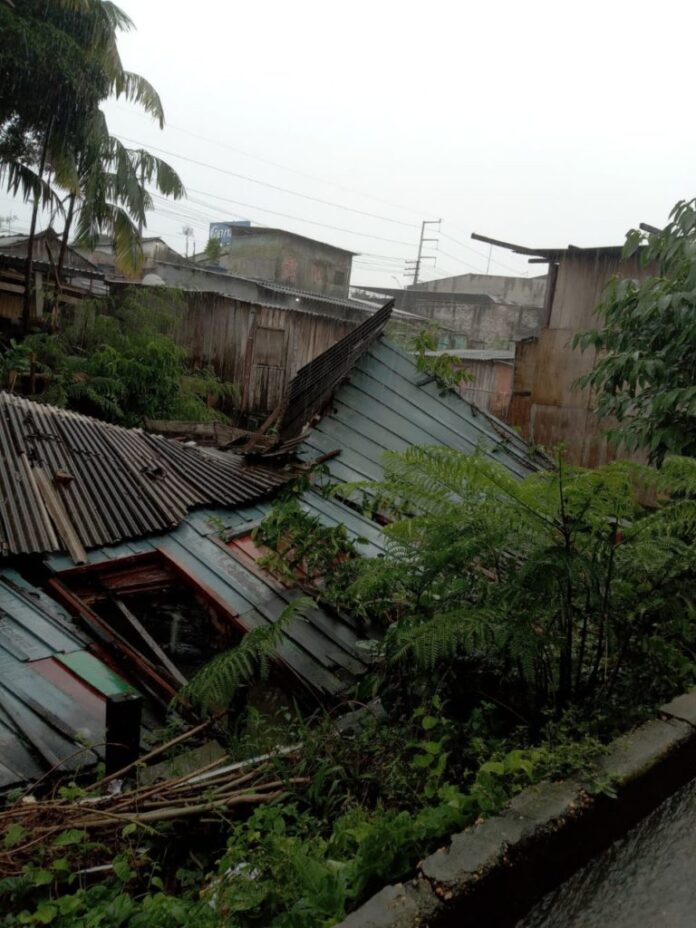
131	560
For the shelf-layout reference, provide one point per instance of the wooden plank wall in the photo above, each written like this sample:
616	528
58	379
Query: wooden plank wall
217	331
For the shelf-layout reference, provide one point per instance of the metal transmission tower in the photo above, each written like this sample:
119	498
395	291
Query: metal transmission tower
416	265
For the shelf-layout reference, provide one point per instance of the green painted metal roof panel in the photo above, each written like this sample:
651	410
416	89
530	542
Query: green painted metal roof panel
332	512
387	405
26	626
94	672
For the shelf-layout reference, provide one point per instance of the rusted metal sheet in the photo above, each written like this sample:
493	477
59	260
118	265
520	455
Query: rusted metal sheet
491	386
546	405
112	483
316	381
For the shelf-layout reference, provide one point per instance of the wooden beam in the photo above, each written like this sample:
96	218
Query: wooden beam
59	516
109	636
248	363
137	626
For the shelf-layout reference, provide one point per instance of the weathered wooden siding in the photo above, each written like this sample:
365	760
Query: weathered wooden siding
546	406
491	387
237	339
10	305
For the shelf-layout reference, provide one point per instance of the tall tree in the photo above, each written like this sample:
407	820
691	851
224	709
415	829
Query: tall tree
58	61
645	377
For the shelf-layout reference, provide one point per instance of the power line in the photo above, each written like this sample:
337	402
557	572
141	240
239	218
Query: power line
263	183
274	212
458	260
479	253
282	167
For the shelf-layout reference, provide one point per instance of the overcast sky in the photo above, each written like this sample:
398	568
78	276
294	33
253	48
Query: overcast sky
541	123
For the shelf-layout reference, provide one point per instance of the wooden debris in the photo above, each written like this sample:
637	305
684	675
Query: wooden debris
212	790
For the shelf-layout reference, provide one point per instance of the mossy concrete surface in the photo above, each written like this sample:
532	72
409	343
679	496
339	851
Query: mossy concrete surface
492	870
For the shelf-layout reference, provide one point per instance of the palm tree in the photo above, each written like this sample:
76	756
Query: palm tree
63	131
110	194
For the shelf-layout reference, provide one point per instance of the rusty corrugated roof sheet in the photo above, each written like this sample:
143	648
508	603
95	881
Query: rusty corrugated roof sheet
315	382
109	483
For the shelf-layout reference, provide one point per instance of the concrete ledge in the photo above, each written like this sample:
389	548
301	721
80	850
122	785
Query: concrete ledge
398	906
682	708
494	872
637	752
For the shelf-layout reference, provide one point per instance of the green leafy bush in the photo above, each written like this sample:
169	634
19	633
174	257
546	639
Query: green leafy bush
119	361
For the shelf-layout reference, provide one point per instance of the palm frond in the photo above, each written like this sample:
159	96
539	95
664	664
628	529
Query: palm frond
22	180
136	89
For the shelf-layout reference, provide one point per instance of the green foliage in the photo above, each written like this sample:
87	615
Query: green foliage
304	551
645	375
69	50
213	249
215	685
119	361
553	583
445	368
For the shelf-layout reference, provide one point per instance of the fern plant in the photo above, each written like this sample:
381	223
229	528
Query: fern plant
553	583
215	685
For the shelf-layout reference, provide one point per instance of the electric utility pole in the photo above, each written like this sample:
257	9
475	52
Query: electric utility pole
423	240
188	232
7	221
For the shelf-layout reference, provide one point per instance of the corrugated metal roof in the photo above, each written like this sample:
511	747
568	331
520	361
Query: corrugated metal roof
320	648
550	253
46	250
315	382
125	482
48	716
388	405
474	354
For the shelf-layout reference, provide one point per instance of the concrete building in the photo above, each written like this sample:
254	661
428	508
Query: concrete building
283	257
526	291
475	311
546	405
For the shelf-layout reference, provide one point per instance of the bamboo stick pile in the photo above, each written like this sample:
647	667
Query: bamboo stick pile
213	791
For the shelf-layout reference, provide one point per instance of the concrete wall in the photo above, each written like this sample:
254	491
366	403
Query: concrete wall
526	290
476	323
545	405
289	259
492	873
259	348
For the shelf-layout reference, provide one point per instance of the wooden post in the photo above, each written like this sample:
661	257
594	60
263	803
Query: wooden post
248	362
123	714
